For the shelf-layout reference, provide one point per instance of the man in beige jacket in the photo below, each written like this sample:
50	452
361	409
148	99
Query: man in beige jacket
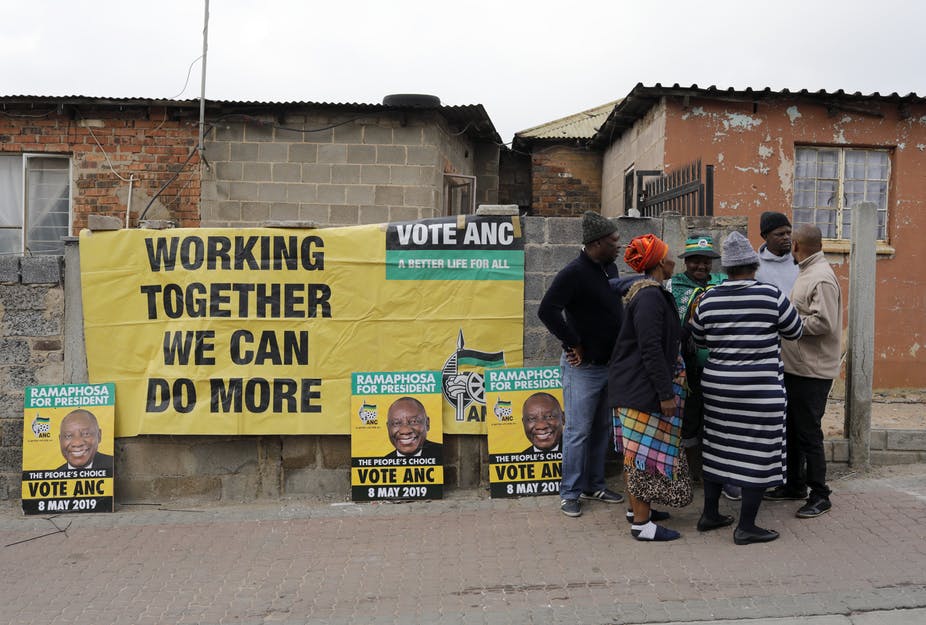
811	364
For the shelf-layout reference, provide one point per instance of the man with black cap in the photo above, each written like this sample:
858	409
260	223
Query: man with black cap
776	264
583	312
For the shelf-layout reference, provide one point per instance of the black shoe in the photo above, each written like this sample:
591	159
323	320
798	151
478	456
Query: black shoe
814	507
782	493
654	515
758	535
663	534
706	524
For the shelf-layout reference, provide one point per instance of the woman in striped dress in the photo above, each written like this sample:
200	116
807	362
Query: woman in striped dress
742	322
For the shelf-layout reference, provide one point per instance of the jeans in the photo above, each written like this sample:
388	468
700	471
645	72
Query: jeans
806	404
587	433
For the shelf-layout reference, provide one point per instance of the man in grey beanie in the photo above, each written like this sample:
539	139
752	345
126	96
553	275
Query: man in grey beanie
776	264
581	310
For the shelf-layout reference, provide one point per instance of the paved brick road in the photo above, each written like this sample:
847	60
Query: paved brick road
465	560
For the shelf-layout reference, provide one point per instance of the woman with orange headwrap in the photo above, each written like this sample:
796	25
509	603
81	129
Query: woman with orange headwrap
646	387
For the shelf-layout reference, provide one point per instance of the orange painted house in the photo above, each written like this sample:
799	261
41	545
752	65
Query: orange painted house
810	155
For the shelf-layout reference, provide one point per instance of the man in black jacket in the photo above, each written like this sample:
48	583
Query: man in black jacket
582	311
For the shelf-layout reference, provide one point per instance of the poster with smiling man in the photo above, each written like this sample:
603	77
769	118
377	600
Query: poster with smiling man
525	431
68	448
396	436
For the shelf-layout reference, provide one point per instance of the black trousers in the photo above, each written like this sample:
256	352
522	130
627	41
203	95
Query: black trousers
693	419
806	405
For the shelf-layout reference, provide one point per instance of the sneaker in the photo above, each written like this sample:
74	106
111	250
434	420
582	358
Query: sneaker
782	493
814	507
731	492
605	495
571	507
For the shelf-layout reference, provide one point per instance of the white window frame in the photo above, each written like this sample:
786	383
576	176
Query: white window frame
456	189
830	192
23	201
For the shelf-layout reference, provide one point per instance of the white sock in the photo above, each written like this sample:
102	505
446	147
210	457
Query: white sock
646	531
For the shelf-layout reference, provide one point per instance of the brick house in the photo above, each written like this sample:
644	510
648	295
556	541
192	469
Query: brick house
564	172
64	158
811	155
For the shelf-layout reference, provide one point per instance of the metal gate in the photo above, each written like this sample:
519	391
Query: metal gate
684	191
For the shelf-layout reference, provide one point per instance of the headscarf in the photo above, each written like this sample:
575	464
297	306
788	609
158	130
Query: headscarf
644	252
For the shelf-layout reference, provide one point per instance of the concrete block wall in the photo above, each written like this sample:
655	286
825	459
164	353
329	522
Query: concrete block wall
566	181
331	168
31	349
108	145
887	447
155	469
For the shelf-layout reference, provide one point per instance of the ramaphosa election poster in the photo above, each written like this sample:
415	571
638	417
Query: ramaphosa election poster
68	448
396	446
525	431
257	331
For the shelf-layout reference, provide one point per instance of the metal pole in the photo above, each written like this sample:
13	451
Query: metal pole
861	348
202	96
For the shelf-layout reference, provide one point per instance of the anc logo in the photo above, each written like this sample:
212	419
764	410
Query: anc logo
367	414
464	387
503	410
41	427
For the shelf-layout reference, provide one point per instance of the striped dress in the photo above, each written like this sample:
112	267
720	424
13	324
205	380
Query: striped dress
742	322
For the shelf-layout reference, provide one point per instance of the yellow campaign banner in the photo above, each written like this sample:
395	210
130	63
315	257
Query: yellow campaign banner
68	448
396	447
525	431
258	330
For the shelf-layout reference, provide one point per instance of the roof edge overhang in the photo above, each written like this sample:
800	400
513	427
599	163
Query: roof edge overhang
471	119
641	99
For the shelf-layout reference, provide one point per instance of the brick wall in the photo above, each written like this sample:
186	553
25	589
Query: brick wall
566	181
150	144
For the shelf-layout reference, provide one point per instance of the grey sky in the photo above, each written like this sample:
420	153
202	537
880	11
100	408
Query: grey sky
526	62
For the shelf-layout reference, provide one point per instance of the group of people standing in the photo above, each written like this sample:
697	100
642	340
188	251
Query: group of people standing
727	371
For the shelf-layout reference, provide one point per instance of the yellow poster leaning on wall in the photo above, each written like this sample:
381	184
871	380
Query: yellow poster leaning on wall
68	448
396	447
257	331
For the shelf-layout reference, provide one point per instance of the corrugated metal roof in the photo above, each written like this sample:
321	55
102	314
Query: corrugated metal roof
470	118
577	126
642	98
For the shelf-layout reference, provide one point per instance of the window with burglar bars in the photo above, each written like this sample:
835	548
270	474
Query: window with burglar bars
828	182
35	203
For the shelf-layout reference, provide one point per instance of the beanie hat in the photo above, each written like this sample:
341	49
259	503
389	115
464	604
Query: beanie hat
594	226
738	251
699	246
644	252
771	220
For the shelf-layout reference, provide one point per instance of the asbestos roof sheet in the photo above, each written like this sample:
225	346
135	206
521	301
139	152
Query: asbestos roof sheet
582	125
